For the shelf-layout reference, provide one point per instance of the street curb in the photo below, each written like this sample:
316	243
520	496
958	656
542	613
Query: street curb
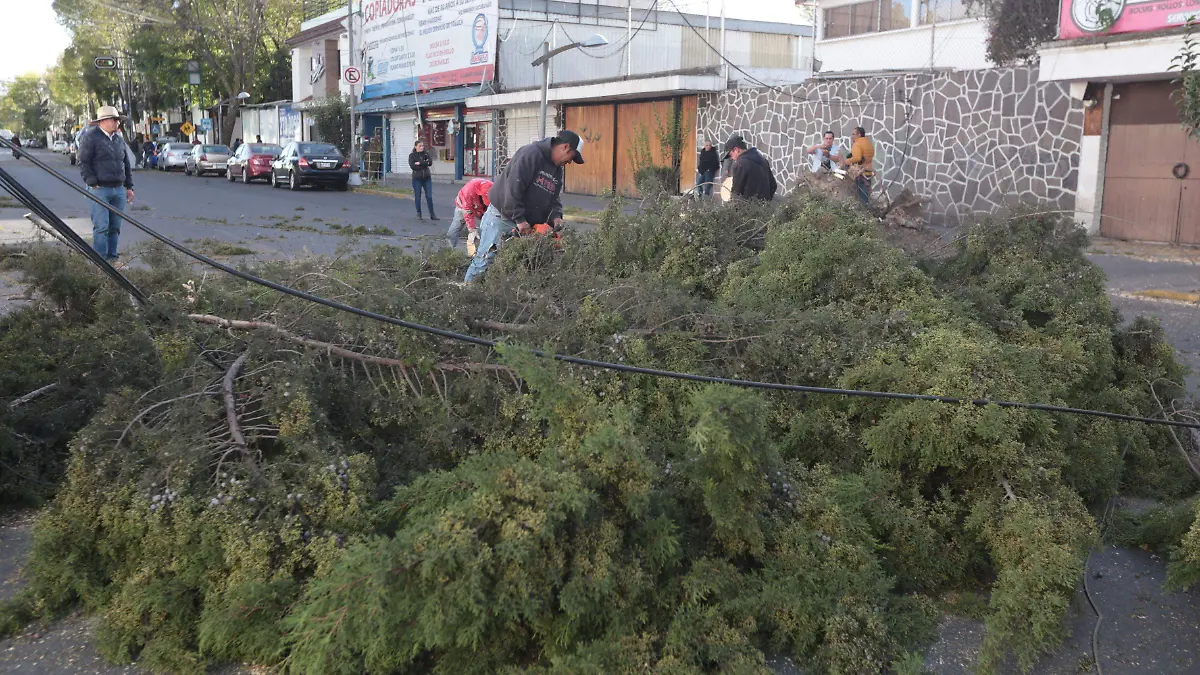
382	193
1165	294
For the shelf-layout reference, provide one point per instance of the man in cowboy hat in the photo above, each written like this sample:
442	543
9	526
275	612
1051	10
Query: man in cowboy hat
104	164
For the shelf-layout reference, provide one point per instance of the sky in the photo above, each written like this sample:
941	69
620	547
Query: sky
33	38
758	10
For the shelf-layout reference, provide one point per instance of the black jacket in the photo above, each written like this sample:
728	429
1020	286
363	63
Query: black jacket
104	161
709	161
752	176
527	190
420	162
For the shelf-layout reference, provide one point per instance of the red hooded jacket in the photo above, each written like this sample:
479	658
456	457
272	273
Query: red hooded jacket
473	200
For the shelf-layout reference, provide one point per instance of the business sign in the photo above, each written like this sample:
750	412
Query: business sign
1086	18
420	45
289	125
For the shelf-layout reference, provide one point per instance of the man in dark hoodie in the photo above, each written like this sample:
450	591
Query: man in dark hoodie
752	175
525	194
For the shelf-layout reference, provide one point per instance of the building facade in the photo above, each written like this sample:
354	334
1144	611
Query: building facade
1139	170
899	35
634	101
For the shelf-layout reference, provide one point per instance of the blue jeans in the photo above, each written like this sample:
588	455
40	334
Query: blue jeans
706	182
492	228
106	226
458	227
864	189
427	186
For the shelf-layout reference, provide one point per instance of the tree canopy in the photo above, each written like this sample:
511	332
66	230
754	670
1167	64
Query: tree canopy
337	496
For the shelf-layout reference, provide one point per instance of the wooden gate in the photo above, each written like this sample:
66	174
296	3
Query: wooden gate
1145	197
596	125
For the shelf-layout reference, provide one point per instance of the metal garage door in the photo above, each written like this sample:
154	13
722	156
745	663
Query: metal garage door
1152	173
402	137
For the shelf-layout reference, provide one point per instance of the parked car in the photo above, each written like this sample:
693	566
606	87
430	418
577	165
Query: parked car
207	158
252	160
317	164
60	146
173	156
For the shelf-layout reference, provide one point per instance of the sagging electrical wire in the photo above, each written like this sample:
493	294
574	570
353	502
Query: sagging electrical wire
579	361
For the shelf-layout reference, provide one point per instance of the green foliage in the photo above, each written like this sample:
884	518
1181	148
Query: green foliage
431	511
1016	28
331	120
1187	96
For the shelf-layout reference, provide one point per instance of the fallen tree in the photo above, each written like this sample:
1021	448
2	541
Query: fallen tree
339	496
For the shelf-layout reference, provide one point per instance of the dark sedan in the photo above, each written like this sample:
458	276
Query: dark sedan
251	161
318	164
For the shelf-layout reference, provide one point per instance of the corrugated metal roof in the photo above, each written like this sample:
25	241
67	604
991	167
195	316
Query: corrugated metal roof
426	100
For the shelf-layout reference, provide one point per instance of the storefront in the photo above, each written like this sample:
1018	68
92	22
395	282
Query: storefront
459	139
1139	172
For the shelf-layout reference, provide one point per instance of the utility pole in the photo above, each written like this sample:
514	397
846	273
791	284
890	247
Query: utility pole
355	179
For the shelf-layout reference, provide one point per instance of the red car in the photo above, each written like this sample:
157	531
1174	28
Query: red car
251	161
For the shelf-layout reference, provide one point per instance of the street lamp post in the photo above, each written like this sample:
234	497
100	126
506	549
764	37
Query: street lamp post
544	62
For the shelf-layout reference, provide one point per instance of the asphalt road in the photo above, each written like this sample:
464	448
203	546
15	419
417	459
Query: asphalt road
271	222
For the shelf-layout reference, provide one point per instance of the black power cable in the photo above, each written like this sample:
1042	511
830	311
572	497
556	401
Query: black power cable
591	363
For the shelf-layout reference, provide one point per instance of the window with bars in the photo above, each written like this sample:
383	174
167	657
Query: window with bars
869	17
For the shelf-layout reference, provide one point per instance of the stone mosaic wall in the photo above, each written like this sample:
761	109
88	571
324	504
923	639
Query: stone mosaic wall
971	141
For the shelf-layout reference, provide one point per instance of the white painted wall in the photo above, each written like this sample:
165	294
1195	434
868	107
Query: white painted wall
1089	176
960	45
1124	59
301	72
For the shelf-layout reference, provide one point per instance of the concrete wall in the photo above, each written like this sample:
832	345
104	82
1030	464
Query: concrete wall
972	141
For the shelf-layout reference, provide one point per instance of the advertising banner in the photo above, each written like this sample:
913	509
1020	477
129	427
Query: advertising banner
289	125
1086	18
420	45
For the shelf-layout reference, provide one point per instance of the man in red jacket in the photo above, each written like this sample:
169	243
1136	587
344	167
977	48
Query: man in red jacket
469	206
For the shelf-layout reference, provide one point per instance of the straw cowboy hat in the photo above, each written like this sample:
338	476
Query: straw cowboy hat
107	112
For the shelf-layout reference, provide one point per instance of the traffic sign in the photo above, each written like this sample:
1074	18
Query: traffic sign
187	129
105	62
155	129
205	124
352	75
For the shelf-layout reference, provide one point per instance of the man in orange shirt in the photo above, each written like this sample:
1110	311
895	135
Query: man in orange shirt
862	155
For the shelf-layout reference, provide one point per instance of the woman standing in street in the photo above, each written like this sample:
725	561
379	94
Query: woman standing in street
422	179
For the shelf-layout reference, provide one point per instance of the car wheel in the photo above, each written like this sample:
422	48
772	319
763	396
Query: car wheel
293	183
342	187
246	176
274	179
186	170
229	174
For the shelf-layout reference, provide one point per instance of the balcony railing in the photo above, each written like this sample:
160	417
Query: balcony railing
314	8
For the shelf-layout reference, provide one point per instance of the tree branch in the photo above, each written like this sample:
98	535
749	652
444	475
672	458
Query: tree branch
235	431
40	391
329	348
499	326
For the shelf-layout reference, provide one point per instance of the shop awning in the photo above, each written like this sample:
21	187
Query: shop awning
430	99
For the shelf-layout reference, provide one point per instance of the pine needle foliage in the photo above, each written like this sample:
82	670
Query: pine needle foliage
397	503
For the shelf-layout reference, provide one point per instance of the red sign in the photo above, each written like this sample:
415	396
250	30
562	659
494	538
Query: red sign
1087	18
351	75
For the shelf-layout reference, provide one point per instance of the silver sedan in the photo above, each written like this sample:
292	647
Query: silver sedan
207	159
174	156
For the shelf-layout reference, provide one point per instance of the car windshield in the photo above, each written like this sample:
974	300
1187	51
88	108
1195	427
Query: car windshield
265	149
319	149
216	149
178	146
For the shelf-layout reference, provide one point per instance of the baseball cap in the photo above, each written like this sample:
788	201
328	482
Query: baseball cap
735	141
572	139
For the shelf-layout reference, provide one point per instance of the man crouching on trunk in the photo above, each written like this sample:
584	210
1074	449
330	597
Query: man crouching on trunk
526	193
